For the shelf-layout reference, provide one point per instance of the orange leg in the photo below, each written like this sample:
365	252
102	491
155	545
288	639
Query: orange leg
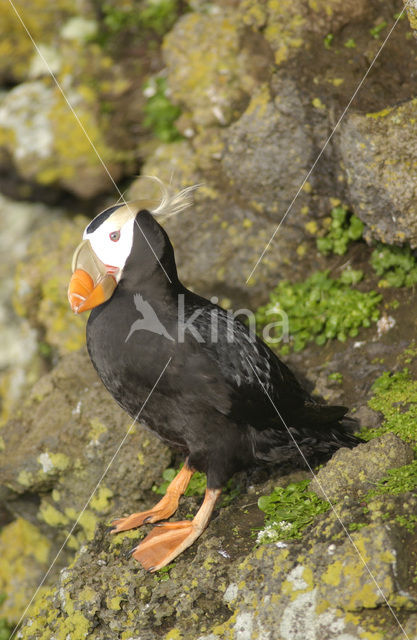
166	541
163	509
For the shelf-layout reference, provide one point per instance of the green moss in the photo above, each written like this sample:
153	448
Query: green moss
163	574
396	265
320	308
396	481
344	228
395	396
335	377
328	40
289	511
197	486
407	521
158	17
160	113
376	30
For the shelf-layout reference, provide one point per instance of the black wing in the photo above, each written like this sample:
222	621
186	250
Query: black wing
247	380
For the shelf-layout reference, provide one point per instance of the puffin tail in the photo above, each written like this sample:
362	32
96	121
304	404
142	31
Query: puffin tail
342	434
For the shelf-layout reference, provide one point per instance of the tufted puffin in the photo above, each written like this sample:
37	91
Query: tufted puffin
222	397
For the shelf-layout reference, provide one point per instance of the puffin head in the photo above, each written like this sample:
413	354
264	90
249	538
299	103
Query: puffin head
99	261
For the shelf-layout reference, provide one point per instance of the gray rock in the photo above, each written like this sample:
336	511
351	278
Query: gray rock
59	446
34	136
207	66
355	471
19	222
381	184
268	150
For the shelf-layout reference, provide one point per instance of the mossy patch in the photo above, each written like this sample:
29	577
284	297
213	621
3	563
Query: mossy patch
139	21
319	309
397	266
344	228
396	481
160	114
395	396
289	511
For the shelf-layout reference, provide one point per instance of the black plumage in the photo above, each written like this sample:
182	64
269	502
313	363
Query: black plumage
214	400
227	403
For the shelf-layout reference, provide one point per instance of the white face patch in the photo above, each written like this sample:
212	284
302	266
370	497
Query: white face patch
112	242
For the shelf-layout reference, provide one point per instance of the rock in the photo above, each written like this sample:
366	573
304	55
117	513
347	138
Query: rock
222	587
382	187
25	556
207	67
411	7
356	471
299	592
59	446
41	283
20	363
35	127
288	25
219	240
40	18
368	418
268	150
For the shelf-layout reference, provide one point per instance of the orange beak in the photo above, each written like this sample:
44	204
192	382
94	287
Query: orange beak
83	295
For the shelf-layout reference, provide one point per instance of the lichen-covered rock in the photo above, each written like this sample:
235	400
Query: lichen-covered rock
59	445
24	553
356	471
20	364
289	591
382	186
207	66
287	24
41	284
269	149
221	237
222	587
411	7
41	19
46	143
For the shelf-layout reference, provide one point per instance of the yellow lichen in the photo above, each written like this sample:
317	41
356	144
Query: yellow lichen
24	553
101	500
97	428
49	514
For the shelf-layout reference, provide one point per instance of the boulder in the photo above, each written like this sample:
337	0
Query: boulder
381	185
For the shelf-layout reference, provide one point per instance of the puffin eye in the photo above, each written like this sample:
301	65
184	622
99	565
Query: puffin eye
114	236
